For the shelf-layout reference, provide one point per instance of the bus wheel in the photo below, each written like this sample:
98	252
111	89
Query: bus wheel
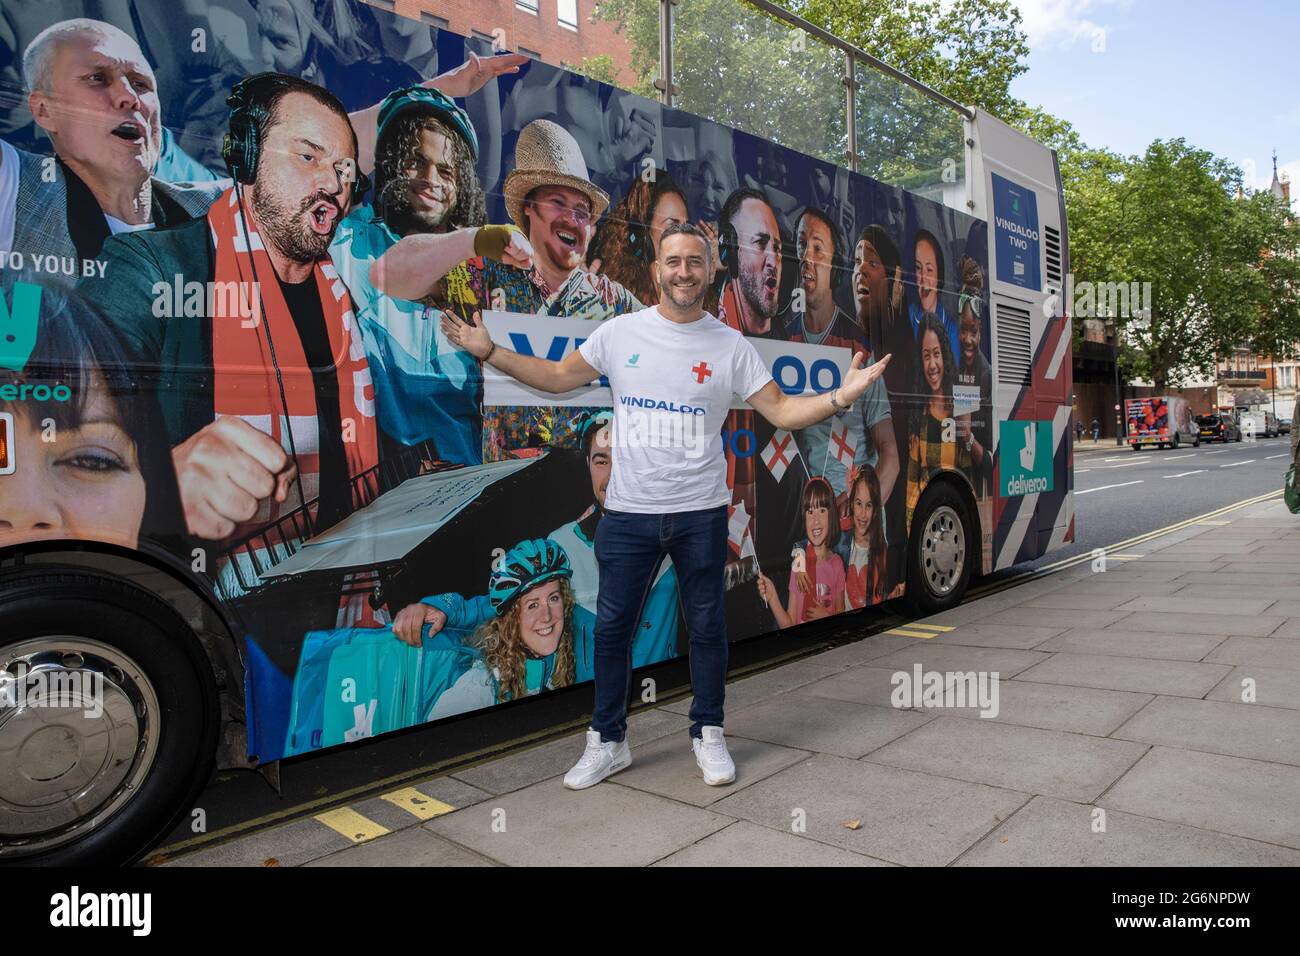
939	552
115	724
1178	439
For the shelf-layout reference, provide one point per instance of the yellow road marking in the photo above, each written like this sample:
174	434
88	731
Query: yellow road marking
348	823
416	803
1126	557
905	633
1214	522
927	627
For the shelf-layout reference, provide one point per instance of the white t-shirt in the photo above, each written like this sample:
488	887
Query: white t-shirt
673	385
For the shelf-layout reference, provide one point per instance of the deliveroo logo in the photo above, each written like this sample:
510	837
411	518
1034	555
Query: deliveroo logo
18	325
1025	456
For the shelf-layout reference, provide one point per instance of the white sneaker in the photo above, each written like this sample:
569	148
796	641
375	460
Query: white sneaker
598	761
711	754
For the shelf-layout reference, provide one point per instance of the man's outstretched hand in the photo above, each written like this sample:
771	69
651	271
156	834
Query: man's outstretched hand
858	379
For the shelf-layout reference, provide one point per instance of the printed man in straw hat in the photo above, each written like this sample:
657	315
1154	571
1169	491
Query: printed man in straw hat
553	201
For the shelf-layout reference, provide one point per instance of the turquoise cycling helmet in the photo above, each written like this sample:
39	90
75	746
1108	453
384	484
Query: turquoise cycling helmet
523	567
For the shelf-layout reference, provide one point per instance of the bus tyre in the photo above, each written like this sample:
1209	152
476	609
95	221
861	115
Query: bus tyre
940	551
121	756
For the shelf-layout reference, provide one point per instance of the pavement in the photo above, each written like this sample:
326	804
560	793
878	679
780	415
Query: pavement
1148	714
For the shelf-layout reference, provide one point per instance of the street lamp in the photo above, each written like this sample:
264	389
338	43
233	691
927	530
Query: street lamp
1112	333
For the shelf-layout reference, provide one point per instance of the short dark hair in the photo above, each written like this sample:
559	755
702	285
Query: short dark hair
737	199
688	229
264	105
838	257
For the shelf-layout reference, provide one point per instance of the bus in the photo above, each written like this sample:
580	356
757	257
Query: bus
254	505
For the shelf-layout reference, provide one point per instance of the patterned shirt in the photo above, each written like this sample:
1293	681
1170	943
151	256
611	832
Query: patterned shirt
928	453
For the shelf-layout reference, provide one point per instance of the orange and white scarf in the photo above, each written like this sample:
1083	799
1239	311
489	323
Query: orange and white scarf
244	375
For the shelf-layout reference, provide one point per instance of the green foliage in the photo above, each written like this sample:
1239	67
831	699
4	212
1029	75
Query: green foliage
1224	269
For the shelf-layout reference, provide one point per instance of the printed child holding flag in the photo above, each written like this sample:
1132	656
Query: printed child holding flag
819	561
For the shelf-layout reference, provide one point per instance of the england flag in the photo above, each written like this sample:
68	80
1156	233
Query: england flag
780	453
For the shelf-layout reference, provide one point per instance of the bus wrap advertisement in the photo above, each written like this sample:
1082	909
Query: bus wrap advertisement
224	275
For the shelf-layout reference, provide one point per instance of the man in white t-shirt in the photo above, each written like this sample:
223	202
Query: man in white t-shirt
673	370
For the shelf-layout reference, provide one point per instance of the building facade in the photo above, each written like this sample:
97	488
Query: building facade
553	31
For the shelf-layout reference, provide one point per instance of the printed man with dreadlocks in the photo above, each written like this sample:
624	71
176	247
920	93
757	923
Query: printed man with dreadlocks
656	638
425	189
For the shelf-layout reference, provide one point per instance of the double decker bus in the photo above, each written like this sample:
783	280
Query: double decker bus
252	500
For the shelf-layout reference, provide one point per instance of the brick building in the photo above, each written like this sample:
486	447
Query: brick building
553	31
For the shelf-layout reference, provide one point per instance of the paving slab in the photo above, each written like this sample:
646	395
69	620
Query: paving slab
1217	726
411	847
778	680
1272	687
1208	605
820	724
1072	766
1246	625
1052	832
748	844
557	756
1016	636
1248	798
860	652
1154	645
956	657
1047	617
667	767
1142	675
1081	710
1076	598
1262	651
1291	626
290	844
604	825
904	817
866	684
1233	577
1110	583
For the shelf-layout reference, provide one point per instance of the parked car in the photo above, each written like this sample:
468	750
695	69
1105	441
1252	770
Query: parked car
1222	428
1284	426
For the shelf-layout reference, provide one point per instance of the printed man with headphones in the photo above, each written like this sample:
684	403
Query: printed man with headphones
865	432
266	392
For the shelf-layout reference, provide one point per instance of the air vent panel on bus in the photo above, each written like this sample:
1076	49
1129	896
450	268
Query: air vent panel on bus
1053	242
1012	331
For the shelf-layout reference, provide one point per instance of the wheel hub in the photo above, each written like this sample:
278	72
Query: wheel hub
78	730
943	551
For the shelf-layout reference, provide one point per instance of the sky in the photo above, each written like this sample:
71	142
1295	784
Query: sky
1220	74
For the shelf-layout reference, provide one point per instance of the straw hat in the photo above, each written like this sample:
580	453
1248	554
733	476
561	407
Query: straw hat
547	155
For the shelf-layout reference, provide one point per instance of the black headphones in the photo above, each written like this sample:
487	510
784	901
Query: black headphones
242	145
729	250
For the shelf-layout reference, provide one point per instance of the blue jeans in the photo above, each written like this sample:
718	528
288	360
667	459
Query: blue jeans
629	550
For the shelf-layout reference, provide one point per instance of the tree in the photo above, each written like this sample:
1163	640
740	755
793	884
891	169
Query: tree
1171	218
739	66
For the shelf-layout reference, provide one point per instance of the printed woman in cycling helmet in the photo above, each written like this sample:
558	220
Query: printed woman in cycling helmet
529	630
